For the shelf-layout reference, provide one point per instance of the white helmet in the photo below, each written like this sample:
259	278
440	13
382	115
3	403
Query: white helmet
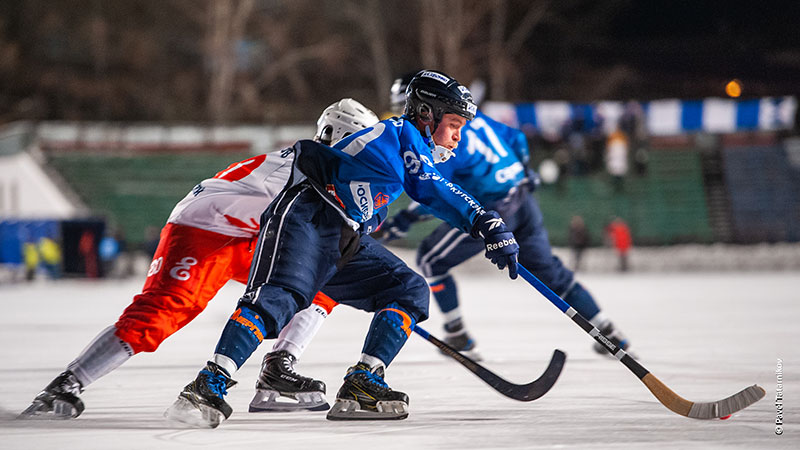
342	119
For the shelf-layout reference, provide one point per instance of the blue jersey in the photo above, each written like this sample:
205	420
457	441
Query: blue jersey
370	169
490	159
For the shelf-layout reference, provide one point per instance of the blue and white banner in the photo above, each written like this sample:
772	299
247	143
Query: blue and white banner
661	117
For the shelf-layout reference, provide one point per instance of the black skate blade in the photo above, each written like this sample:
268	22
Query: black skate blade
351	410
268	401
186	413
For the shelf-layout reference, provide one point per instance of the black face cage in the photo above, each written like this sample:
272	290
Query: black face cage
327	135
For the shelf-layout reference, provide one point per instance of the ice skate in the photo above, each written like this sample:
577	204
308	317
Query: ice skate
59	400
614	336
202	404
278	380
456	336
365	396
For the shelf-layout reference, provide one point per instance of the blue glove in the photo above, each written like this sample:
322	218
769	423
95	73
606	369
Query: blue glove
396	227
501	246
375	222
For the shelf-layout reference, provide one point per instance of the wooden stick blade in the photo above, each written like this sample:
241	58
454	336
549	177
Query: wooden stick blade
701	410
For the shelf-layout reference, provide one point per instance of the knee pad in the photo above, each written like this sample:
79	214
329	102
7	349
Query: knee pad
397	317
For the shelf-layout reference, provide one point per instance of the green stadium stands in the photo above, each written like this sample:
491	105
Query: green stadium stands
137	191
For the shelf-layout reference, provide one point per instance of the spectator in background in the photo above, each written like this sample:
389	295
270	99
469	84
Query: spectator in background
30	255
617	159
596	136
633	124
578	240
640	161
561	158
50	252
575	138
88	250
619	236
109	252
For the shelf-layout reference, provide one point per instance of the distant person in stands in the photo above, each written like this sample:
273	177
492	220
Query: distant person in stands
30	255
109	253
596	140
574	137
87	247
617	159
619	236
578	240
50	252
633	123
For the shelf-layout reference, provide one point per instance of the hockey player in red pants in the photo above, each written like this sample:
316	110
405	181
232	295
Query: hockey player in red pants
207	241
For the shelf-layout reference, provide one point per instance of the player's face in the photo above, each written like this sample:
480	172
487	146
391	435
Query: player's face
448	133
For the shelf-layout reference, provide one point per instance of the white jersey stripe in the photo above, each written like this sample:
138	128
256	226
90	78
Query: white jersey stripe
441	249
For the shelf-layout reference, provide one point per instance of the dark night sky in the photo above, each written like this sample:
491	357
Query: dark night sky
757	42
667	49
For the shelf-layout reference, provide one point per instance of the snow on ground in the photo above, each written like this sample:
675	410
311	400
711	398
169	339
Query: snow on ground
705	335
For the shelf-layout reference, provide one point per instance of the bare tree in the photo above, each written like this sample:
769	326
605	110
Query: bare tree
225	26
368	16
502	49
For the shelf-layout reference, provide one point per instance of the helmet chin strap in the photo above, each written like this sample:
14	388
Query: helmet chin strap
441	154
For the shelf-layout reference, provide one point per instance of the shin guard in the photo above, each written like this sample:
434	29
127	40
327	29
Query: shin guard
388	332
445	292
242	334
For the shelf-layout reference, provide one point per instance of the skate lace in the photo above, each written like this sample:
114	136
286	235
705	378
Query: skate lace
288	367
372	378
71	386
217	384
65	383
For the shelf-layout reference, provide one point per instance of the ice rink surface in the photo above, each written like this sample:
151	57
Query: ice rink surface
705	335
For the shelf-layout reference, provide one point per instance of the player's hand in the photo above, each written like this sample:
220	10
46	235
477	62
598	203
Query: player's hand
501	246
533	178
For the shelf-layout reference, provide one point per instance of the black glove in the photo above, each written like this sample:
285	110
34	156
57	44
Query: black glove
396	227
501	246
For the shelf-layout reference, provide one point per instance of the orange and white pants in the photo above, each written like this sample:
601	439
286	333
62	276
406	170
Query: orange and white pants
189	267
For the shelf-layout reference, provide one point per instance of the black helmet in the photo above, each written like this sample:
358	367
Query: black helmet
431	94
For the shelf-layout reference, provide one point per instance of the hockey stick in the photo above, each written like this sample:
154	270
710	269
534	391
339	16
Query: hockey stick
665	395
522	392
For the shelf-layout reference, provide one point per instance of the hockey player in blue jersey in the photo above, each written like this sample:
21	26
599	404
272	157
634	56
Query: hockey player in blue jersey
491	164
314	237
